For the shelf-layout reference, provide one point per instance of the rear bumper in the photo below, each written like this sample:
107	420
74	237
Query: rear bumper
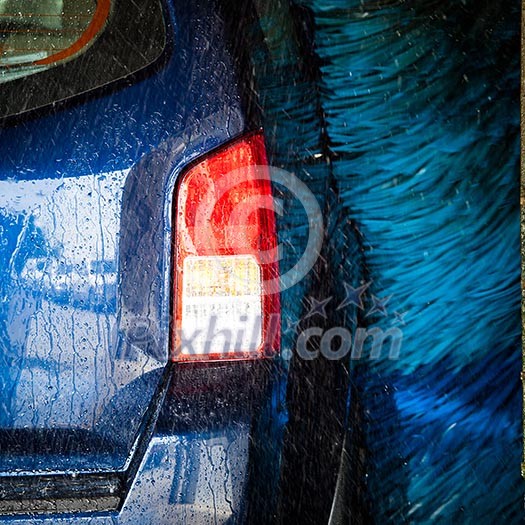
191	478
196	466
186	478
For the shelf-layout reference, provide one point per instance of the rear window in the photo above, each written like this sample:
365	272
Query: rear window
51	50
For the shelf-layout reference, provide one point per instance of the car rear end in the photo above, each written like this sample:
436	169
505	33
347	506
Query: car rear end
140	314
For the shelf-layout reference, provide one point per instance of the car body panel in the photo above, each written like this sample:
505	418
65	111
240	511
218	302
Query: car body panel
85	214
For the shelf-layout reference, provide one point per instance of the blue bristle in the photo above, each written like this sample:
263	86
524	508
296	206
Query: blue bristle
422	112
416	103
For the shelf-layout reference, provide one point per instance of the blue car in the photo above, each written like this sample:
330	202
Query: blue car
139	313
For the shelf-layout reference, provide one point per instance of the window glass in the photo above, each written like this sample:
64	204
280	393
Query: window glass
37	35
52	50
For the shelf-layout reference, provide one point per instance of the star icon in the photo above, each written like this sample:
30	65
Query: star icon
291	325
379	305
354	295
317	307
399	318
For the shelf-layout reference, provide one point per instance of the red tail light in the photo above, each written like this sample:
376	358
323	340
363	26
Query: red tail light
225	272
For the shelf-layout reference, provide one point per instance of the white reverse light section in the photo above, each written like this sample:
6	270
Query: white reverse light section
221	305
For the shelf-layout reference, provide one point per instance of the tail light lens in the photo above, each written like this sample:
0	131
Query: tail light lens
226	299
